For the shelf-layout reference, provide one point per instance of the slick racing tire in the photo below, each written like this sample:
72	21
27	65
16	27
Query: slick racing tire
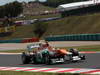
48	60
35	59
25	58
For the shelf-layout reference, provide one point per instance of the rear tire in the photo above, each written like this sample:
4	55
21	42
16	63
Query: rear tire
35	59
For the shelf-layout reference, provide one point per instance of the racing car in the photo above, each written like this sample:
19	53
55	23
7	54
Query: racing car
45	54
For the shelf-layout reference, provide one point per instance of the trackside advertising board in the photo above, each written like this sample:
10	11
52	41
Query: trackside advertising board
7	29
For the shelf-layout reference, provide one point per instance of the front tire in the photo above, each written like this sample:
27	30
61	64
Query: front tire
48	60
25	58
82	57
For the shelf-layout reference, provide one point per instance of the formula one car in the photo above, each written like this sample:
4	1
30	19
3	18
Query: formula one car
47	55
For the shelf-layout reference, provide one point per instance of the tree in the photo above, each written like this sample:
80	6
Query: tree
40	28
11	10
2	12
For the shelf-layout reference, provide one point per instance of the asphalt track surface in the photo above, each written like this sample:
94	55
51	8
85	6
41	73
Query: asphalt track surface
92	61
15	46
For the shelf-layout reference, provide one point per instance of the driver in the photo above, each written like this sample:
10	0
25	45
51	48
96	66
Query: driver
40	46
47	46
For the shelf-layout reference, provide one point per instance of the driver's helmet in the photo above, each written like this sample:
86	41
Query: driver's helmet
40	44
73	50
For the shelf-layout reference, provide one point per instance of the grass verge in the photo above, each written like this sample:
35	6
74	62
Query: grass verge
35	73
12	51
86	48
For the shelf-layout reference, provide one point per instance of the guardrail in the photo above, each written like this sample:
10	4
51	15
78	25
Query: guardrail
75	37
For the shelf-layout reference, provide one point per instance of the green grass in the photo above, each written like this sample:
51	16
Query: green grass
75	25
86	48
80	48
13	51
34	73
22	32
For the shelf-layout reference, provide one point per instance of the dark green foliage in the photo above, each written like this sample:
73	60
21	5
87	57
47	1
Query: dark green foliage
11	9
2	11
40	28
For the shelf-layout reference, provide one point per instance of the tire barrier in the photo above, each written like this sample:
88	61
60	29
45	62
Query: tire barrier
28	40
49	19
75	37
